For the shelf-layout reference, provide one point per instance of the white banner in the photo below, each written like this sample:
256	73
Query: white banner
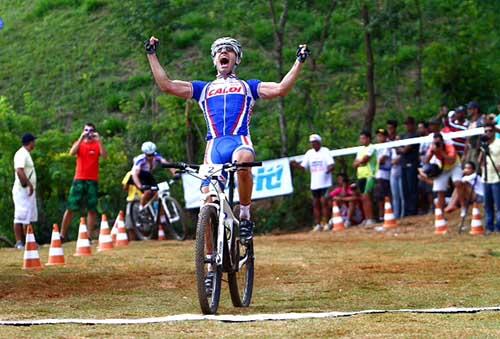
272	179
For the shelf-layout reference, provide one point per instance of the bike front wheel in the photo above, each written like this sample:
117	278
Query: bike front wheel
144	225
208	273
177	227
241	280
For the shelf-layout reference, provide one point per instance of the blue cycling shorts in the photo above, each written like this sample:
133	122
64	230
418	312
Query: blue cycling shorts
221	150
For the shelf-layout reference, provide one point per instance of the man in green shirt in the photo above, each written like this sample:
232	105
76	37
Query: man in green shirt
365	170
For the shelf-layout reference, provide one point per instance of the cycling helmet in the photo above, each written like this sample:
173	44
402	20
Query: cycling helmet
228	42
148	147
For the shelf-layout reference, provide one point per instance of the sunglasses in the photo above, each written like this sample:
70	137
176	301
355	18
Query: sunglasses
488	131
88	130
224	48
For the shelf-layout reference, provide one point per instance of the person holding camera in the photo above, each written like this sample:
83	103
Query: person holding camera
490	161
23	191
88	149
443	154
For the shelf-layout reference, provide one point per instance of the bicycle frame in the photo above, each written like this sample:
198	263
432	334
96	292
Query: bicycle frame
217	197
163	192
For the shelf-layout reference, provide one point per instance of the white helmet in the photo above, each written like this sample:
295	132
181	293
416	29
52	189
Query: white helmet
148	147
228	42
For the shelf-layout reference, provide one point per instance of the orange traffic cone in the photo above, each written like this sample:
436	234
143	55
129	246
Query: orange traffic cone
56	253
83	243
31	257
476	224
440	224
121	236
161	233
105	240
389	219
338	222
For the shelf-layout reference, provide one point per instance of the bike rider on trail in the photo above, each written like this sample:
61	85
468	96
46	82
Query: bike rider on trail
144	164
227	103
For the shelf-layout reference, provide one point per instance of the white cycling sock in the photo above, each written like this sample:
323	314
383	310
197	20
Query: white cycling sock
163	220
245	212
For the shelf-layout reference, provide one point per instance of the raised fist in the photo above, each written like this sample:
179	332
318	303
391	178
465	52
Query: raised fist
151	45
302	53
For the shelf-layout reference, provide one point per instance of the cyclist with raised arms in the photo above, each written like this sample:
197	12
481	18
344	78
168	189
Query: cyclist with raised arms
227	103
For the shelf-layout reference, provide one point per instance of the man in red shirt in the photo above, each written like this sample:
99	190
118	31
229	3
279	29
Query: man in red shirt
84	190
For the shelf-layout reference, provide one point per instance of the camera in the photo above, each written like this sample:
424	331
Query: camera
484	141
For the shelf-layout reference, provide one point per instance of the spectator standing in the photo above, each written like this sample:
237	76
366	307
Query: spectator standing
320	163
425	198
396	180
24	189
446	155
84	190
383	173
457	122
490	158
364	164
477	119
409	165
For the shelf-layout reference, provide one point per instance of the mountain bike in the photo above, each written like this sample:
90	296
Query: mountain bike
145	223
217	246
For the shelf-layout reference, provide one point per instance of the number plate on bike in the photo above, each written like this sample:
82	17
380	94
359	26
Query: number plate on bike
210	170
163	186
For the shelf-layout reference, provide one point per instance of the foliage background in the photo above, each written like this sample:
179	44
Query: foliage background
66	62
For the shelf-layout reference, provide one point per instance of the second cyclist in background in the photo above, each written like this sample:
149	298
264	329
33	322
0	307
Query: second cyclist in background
142	175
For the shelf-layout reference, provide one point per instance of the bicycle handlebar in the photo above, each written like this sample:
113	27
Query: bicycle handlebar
184	166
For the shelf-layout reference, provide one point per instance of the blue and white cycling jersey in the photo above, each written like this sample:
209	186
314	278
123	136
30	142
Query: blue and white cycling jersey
227	105
141	163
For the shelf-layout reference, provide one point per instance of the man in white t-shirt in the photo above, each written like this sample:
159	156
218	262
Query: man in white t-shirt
320	163
23	191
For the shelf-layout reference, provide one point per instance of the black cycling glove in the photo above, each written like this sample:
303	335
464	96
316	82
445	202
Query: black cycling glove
302	53
151	47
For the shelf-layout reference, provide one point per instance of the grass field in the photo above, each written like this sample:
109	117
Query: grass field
355	270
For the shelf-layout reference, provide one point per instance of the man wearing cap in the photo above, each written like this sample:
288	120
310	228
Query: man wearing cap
84	191
320	163
23	191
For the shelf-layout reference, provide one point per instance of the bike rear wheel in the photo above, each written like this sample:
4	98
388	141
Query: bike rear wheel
206	237
177	228
241	280
144	226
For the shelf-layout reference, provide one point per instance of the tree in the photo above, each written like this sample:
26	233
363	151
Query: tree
370	70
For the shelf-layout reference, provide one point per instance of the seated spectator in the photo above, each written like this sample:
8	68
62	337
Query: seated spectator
348	199
443	152
382	174
473	189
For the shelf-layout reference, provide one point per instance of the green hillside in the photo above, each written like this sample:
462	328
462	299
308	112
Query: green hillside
65	62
